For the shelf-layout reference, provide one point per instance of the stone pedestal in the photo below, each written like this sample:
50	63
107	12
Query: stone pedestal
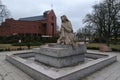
60	55
25	61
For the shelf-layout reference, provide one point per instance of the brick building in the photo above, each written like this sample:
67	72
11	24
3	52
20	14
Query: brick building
44	25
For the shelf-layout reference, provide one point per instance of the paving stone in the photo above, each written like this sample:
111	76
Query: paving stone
111	72
10	72
107	72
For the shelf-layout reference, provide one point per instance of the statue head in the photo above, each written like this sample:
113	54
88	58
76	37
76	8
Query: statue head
64	18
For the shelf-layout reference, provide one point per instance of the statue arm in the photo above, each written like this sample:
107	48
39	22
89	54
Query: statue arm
68	28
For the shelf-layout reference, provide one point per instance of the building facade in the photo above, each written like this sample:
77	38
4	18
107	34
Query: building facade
44	25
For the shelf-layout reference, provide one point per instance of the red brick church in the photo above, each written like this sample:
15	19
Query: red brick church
44	25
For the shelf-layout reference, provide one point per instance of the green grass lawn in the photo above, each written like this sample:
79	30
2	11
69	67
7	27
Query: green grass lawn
97	45
89	46
11	47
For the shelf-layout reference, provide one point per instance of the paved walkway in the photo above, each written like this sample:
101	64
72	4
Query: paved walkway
10	72
111	72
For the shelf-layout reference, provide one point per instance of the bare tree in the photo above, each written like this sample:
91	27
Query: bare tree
105	19
4	12
79	34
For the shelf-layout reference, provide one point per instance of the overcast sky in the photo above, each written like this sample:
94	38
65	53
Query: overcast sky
75	10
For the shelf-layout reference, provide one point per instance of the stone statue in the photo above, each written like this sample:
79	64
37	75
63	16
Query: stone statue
66	32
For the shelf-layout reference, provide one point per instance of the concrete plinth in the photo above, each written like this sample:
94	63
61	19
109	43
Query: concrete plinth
60	55
42	72
56	58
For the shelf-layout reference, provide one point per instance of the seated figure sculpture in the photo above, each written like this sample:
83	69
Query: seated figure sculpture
65	53
66	32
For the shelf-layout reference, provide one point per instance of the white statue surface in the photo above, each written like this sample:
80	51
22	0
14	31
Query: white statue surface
66	32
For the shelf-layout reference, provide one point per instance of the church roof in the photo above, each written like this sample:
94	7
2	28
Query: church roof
47	12
34	18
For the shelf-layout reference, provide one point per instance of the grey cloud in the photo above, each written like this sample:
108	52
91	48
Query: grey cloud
74	9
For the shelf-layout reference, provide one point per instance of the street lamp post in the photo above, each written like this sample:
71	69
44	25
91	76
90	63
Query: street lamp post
85	35
20	43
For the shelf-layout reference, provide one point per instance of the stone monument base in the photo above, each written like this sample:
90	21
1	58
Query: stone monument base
60	55
38	71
